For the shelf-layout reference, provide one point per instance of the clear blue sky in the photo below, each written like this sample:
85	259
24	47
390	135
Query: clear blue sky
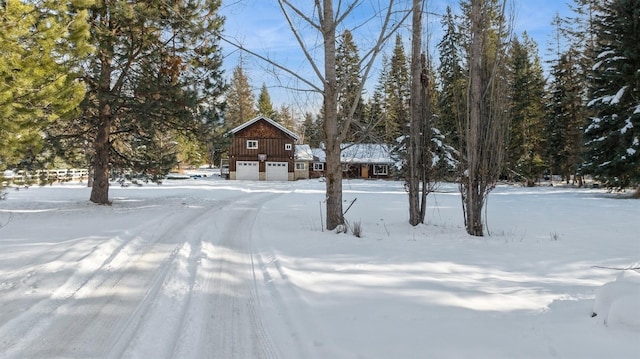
260	26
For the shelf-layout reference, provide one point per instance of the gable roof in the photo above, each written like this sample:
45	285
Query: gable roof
270	121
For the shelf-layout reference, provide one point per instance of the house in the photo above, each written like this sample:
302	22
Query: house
262	150
359	160
303	161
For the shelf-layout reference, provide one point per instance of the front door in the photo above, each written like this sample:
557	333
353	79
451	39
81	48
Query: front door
364	171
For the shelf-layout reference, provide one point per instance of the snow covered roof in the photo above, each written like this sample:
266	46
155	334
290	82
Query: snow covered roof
373	153
304	153
272	122
319	153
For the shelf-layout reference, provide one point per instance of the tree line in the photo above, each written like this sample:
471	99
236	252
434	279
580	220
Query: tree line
504	119
138	86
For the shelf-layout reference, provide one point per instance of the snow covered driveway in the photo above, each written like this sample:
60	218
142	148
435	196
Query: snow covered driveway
208	268
144	278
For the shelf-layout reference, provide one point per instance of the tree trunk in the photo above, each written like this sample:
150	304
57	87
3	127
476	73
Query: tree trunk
416	116
100	188
426	158
102	145
333	171
474	192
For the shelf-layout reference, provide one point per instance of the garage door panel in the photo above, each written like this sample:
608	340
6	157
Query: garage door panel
277	171
247	170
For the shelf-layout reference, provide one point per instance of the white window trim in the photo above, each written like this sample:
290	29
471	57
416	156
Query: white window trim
380	170
250	144
287	147
301	166
318	166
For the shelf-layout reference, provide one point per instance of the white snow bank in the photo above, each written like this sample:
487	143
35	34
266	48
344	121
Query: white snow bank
618	302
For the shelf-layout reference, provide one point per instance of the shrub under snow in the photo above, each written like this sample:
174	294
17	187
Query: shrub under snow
618	302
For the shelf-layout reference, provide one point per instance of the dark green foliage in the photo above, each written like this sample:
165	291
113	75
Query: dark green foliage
350	102
156	72
265	107
613	135
312	130
397	91
525	152
565	117
453	77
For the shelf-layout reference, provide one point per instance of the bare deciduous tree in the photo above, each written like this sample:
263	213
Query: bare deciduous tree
415	149
486	122
326	20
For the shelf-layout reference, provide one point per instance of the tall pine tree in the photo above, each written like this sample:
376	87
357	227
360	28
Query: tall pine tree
525	151
265	107
349	93
565	117
240	99
452	99
157	68
397	91
613	135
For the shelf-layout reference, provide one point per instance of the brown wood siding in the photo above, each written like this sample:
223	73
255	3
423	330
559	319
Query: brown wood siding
262	129
271	141
274	148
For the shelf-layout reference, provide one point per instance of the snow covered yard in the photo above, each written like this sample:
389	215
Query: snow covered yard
222	269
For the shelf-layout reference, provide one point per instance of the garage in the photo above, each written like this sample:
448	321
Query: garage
277	171
247	170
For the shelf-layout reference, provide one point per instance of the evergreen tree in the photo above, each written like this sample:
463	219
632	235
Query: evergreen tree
453	79
397	90
240	100
189	151
348	77
286	118
565	116
265	107
157	68
613	135
374	117
312	131
375	108
41	44
525	147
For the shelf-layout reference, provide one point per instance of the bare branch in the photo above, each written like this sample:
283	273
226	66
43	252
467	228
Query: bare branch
297	35
340	18
372	55
273	63
306	18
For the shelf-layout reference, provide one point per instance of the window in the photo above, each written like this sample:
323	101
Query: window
252	144
287	147
380	170
301	166
318	166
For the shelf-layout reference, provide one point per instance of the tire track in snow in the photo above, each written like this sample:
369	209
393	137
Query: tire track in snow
192	288
224	319
62	325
